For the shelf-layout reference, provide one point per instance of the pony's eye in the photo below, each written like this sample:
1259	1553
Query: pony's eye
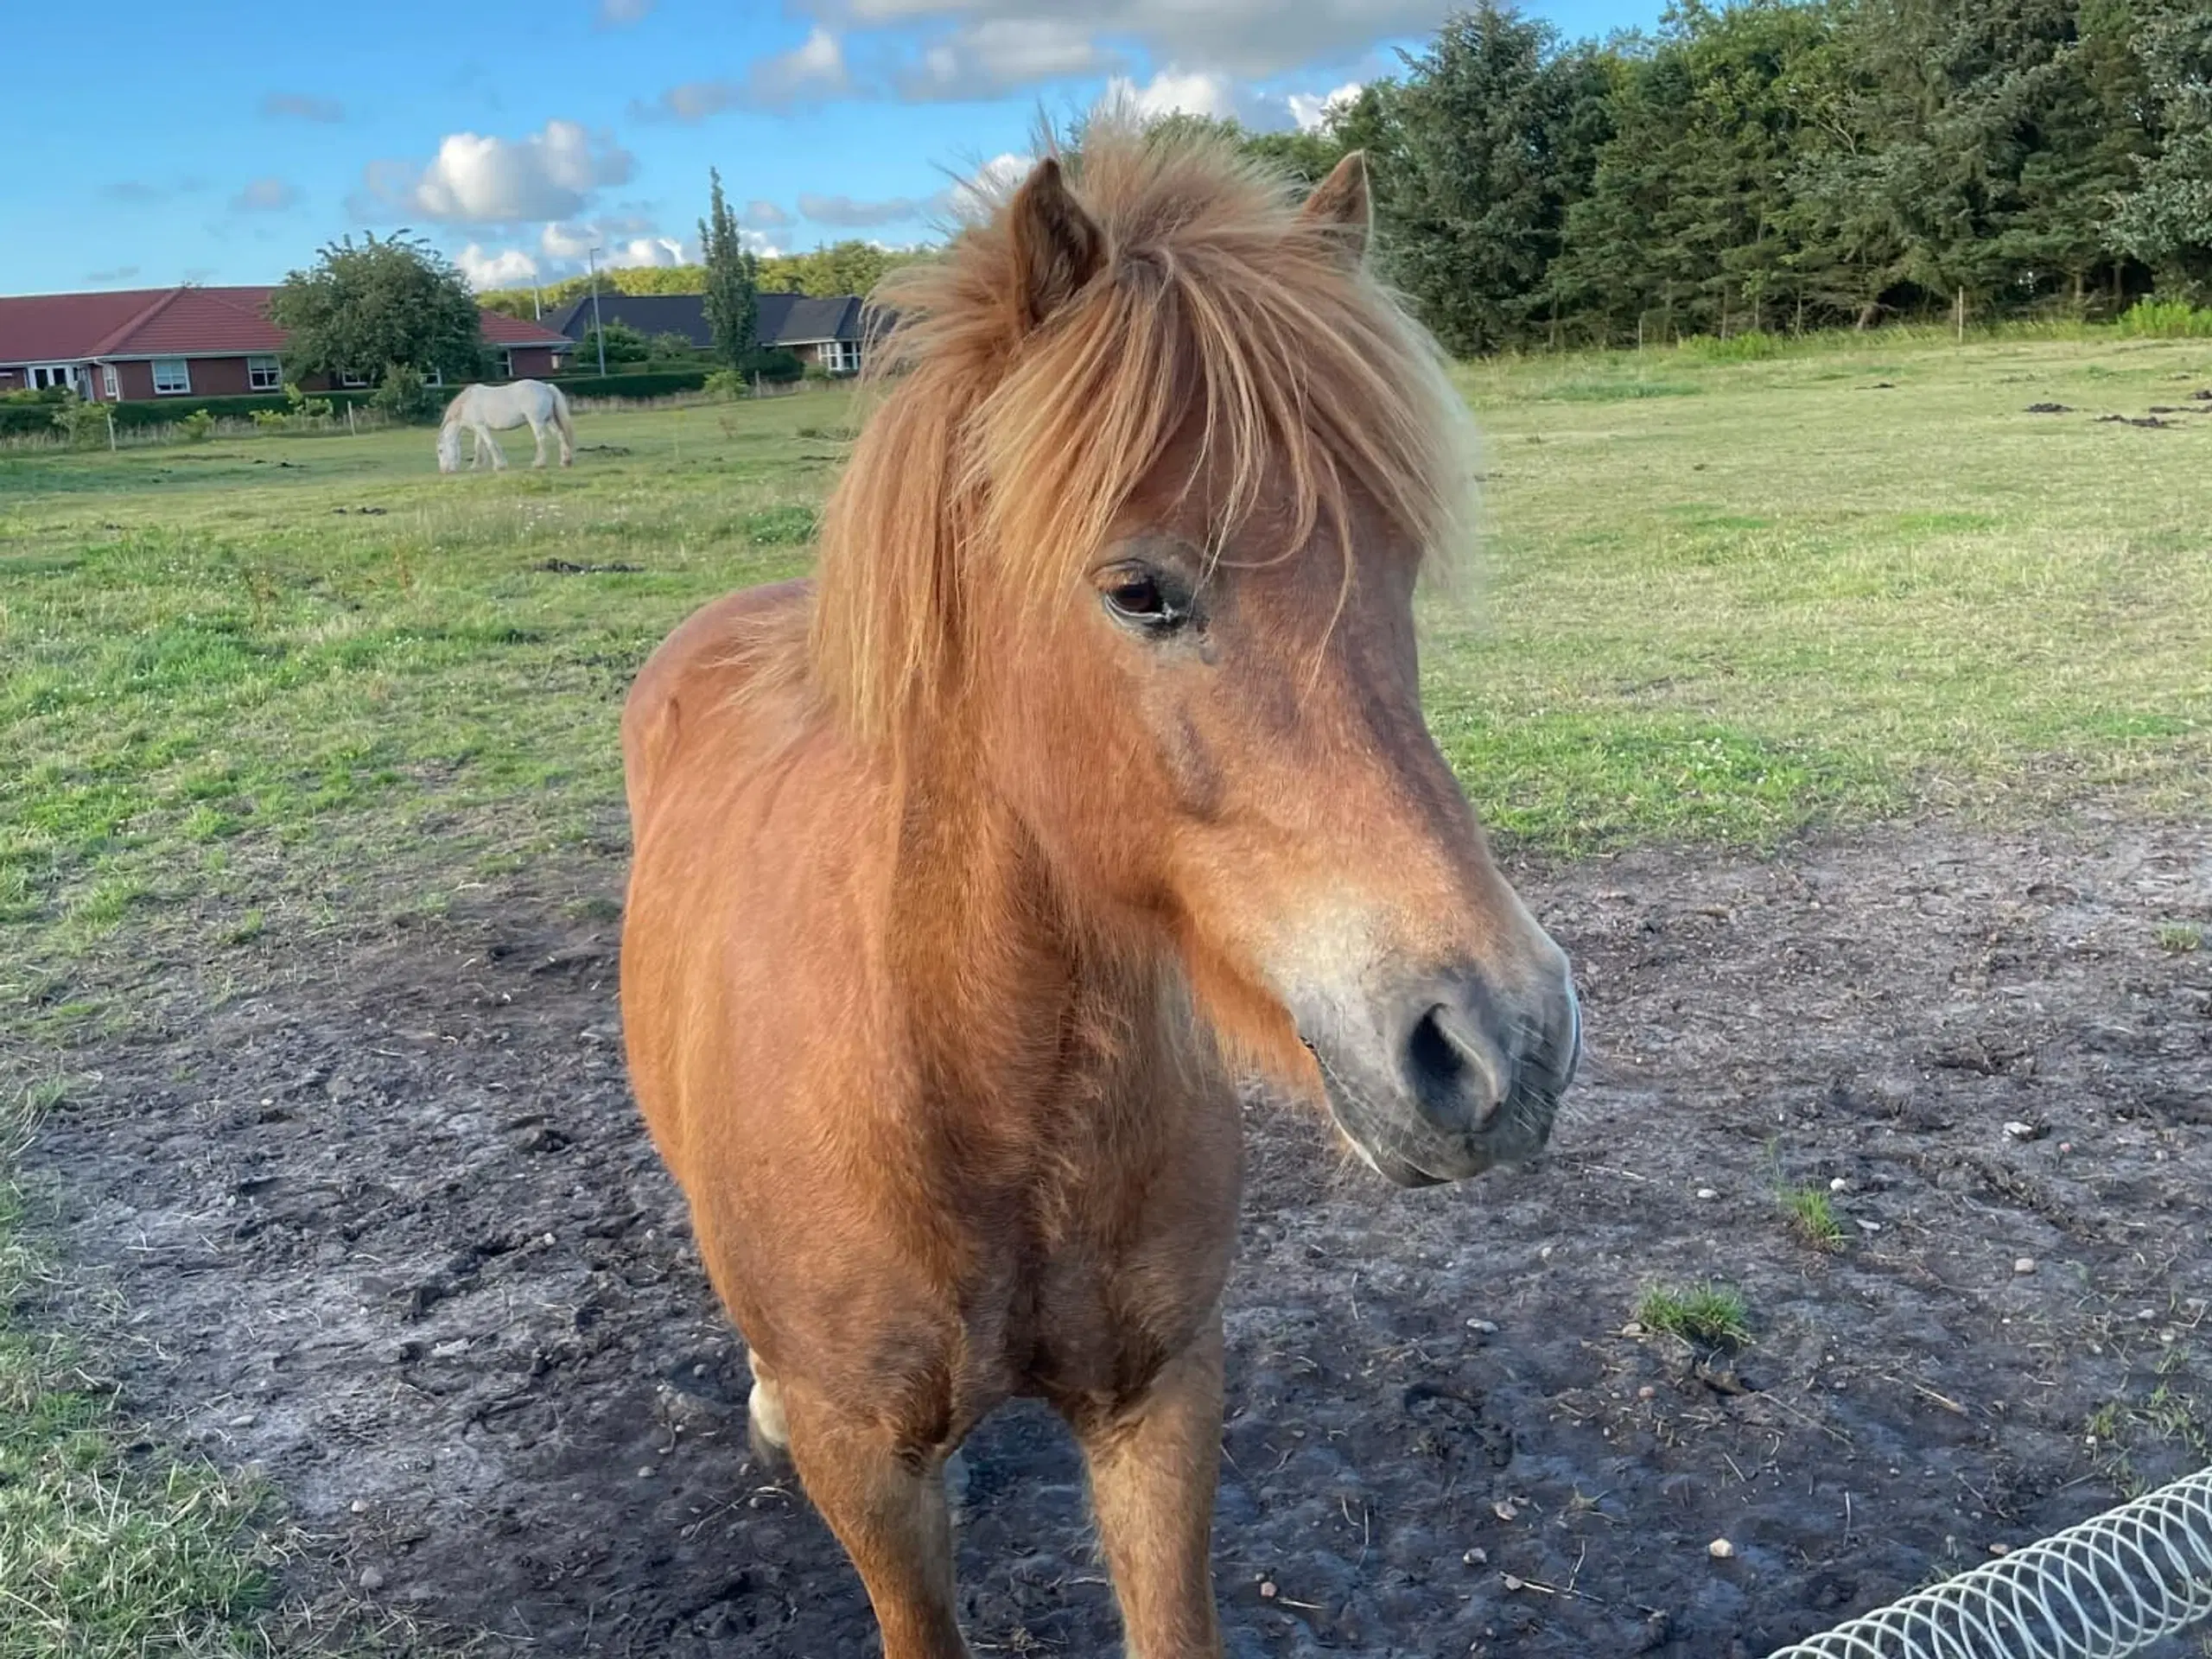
1137	597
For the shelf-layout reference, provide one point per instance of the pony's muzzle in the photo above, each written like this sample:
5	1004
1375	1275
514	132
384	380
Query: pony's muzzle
1471	1056
1463	1075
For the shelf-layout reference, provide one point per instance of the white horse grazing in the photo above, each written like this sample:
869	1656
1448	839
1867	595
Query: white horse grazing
483	410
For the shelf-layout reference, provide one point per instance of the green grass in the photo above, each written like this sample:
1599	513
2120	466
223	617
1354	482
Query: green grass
1811	1216
2180	937
1801	597
258	689
1713	1314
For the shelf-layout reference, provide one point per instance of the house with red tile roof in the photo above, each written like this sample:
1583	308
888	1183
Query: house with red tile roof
192	342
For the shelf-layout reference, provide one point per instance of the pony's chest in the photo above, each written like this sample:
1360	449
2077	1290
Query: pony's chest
1104	1290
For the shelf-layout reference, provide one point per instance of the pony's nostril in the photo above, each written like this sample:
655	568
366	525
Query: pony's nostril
1445	1070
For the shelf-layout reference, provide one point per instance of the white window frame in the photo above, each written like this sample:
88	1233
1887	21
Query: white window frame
841	356
110	384
54	374
263	363
434	377
352	382
506	364
183	365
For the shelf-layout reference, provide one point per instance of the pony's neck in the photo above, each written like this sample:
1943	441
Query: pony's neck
986	951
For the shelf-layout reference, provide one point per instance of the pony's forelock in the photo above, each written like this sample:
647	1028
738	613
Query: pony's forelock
1000	459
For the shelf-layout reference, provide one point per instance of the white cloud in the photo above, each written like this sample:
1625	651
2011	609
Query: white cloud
507	268
983	59
989	184
265	196
616	13
620	242
766	214
1311	111
474	180
568	243
848	214
656	250
1176	92
810	70
1247	38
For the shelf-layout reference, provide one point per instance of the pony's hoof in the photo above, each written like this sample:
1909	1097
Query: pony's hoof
768	1433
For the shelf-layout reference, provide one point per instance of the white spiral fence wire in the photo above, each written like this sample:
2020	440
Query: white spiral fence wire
2105	1589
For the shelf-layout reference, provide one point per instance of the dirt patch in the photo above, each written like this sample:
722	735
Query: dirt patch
388	1228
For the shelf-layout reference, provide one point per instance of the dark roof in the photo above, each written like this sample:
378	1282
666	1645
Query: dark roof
648	313
785	318
160	321
802	320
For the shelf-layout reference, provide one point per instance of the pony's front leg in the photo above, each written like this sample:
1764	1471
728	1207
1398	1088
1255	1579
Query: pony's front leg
1153	1465
538	431
498	461
887	1504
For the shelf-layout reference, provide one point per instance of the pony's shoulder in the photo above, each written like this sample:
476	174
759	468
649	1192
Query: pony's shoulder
735	669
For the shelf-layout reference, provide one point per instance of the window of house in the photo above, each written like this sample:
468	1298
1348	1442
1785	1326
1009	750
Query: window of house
171	374
110	388
435	377
45	375
352	382
507	365
265	373
841	356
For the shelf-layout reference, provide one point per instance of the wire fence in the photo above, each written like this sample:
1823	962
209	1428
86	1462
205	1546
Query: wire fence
2106	1589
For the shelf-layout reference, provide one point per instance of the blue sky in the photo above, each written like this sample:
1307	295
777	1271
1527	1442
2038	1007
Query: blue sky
172	146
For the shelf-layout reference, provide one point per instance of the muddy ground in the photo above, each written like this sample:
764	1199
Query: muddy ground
389	1230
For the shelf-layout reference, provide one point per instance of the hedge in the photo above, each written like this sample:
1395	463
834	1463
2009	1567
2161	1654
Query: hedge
665	383
17	419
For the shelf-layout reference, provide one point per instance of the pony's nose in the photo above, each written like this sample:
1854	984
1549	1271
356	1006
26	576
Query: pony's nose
1455	1071
1467	1054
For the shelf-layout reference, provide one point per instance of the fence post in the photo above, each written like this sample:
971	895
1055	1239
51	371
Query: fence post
110	432
350	432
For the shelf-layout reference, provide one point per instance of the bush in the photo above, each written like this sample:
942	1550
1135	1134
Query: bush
298	403
2166	320
776	365
624	345
727	385
671	347
272	420
197	426
405	395
86	423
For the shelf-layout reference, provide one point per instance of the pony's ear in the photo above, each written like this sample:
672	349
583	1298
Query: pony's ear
1342	203
1056	246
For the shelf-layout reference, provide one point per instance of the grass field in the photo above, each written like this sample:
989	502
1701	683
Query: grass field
254	689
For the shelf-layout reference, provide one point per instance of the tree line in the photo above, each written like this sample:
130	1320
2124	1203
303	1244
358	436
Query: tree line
1786	165
1769	165
849	267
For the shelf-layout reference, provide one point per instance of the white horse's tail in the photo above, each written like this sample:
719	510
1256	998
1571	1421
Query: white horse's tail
561	420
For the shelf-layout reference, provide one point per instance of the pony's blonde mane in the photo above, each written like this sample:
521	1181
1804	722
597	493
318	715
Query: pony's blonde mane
1000	457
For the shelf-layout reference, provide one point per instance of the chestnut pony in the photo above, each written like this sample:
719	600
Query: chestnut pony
1086	777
